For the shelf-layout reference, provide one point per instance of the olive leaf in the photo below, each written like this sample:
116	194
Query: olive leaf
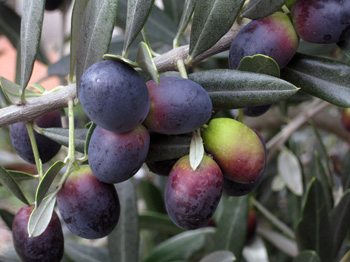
256	9
196	149
145	62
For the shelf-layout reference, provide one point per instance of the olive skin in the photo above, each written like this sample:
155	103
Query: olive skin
273	36
192	196
51	5
47	148
89	207
178	106
321	22
115	157
236	148
47	247
114	96
345	118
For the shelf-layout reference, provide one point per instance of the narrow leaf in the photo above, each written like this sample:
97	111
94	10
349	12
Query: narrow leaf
314	229
164	147
7	217
307	256
91	127
232	227
211	20
290	170
78	252
320	77
137	14
61	136
145	62
41	216
31	25
12	91
345	172
230	89
196	149
11	185
21	176
340	220
188	9
256	9
77	20
256	251
46	181
174	9
95	34
283	243
123	242
222	256
158	222
261	64
320	173
179	247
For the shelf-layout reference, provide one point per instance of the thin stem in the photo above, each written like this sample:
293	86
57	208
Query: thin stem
240	115
71	147
182	68
35	149
145	38
279	140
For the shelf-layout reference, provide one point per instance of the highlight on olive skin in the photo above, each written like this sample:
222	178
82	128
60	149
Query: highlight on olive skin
89	207
116	157
192	196
47	148
273	36
236	148
47	247
178	106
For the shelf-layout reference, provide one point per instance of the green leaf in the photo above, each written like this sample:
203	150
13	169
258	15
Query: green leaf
211	20
261	64
179	247
280	241
91	129
222	256
60	68
345	173
145	62
78	252
137	15
158	222
230	89
77	20
314	230
187	12
11	185
95	34
164	147
174	9
256	9
196	149
41	216
255	250
31	25
232	226
160	27
289	169
307	256
21	176
61	136
152	196
7	217
320	173
340	220
320	77
46	181
12	91
123	242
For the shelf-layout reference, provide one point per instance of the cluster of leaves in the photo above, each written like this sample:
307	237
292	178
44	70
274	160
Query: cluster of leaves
317	230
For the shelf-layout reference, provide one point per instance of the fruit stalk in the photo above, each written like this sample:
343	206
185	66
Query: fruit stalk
35	150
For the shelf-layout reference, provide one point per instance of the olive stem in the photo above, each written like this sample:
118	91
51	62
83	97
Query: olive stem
35	149
240	115
182	68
